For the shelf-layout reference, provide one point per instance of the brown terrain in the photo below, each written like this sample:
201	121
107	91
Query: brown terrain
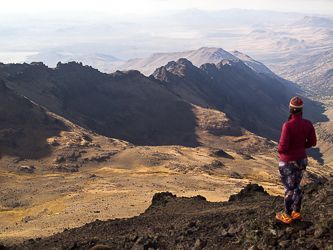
124	180
245	221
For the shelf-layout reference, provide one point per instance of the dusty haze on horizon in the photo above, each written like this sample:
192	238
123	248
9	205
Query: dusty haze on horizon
151	6
72	29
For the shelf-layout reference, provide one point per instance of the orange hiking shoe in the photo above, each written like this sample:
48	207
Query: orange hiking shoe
296	216
284	218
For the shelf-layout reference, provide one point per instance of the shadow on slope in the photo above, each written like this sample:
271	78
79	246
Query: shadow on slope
257	102
316	154
122	105
24	126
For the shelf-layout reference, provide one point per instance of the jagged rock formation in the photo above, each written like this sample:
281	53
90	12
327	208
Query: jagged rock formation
257	102
171	222
198	57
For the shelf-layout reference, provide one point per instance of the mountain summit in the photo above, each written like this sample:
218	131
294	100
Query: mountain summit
197	57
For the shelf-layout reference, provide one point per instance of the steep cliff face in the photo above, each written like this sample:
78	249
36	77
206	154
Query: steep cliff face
189	83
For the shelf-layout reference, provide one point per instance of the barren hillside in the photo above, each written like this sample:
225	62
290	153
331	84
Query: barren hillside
313	73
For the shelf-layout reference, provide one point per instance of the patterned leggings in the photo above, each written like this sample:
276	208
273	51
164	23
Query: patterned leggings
291	174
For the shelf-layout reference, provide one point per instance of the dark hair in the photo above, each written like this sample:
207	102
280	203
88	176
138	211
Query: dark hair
294	112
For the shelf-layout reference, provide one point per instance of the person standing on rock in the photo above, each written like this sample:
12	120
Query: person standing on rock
297	135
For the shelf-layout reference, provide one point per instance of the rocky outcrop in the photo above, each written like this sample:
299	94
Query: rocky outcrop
171	222
248	192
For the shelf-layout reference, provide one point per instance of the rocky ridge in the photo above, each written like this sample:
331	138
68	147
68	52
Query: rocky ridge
122	105
198	57
246	221
234	88
129	106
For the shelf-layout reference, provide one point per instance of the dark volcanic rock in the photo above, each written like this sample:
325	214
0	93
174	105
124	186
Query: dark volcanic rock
3	87
194	223
221	153
162	198
249	191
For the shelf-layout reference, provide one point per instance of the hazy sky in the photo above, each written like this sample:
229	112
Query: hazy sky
26	35
146	6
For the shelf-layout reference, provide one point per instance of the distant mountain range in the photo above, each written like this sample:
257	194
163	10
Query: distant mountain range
312	21
155	110
147	66
101	62
268	37
197	57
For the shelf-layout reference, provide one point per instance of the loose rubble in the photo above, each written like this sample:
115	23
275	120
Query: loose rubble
246	221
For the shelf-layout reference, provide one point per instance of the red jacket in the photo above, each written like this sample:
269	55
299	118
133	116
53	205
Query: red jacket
297	135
